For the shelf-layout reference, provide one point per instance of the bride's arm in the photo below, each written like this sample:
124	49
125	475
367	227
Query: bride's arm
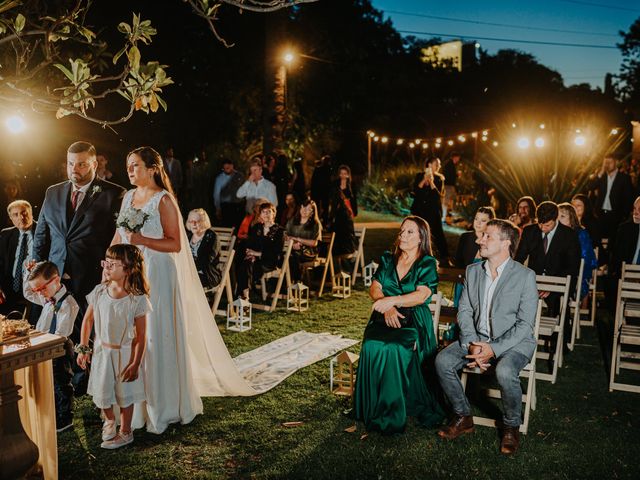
170	220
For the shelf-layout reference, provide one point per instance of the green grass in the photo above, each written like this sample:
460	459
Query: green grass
579	429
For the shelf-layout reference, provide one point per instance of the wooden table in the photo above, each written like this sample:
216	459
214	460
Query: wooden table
28	359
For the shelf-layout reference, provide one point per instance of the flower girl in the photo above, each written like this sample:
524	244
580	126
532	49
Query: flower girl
117	311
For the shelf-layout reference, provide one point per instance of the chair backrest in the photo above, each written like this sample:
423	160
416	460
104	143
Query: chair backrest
579	283
449	274
434	305
360	234
224	230
547	283
327	239
536	326
628	292
630	272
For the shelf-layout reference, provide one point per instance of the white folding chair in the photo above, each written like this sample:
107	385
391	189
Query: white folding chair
226	260
574	308
590	312
528	372
553	326
434	306
357	255
325	261
625	353
282	274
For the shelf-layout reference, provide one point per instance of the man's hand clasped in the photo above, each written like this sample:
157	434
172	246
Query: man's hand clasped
480	354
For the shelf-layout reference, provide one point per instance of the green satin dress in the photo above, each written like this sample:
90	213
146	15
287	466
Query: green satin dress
390	385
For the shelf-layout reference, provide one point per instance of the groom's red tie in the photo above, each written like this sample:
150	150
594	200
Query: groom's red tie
74	199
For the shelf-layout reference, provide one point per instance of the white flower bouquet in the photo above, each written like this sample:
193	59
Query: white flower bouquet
132	219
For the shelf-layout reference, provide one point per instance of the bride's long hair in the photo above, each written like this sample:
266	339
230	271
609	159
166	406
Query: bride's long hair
152	159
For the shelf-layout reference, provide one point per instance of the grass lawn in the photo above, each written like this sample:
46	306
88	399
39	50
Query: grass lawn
579	429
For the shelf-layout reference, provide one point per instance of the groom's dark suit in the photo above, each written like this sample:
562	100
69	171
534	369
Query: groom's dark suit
77	241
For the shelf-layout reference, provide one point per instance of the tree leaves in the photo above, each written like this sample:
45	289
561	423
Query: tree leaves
19	23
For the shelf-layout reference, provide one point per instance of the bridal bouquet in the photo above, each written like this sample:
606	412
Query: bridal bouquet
132	219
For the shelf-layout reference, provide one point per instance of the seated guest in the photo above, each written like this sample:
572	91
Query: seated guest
626	247
390	385
16	246
525	212
588	219
205	248
496	317
552	249
305	230
567	216
468	249
250	219
263	249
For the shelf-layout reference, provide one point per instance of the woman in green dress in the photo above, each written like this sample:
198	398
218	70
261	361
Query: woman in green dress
390	385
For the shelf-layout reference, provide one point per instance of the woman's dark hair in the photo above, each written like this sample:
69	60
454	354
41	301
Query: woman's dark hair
266	206
425	238
588	214
131	257
430	160
152	159
345	167
314	216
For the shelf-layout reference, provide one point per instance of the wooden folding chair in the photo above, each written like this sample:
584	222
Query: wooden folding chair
282	274
454	276
358	255
626	333
553	326
528	372
224	231
226	260
434	306
326	262
590	312
574	308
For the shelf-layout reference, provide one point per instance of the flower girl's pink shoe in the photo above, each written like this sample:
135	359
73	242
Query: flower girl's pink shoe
109	430
120	440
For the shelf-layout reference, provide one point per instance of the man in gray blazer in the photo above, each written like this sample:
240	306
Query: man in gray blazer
496	316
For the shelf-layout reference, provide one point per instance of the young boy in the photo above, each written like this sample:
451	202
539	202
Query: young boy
42	286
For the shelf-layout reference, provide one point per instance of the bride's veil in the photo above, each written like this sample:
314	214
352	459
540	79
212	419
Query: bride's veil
213	370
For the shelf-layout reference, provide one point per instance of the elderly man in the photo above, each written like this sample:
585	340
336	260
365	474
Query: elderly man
16	246
257	187
496	316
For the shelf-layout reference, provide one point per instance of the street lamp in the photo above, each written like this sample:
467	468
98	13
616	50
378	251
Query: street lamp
288	58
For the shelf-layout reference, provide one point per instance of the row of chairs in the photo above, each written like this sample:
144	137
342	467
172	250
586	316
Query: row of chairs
281	274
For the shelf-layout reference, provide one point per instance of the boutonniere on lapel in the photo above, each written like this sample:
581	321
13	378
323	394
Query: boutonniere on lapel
96	189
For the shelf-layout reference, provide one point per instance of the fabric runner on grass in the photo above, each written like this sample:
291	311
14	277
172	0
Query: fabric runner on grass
268	365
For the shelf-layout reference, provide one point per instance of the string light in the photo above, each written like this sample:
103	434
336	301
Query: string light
376	138
371	134
614	131
495	144
474	135
513	125
539	142
450	142
484	139
462	138
425	146
417	142
485	133
542	125
580	140
400	141
384	139
523	143
412	145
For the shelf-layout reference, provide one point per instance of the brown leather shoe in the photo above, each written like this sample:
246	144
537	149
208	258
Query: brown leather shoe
510	440
459	424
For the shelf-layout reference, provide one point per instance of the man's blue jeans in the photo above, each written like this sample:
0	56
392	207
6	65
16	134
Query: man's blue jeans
508	366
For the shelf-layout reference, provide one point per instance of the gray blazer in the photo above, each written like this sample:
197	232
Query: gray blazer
513	308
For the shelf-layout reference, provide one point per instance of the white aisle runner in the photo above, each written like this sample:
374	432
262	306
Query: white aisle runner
268	365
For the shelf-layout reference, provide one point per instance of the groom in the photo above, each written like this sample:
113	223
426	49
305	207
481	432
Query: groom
76	224
496	316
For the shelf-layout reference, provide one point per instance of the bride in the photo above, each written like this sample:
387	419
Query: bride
186	357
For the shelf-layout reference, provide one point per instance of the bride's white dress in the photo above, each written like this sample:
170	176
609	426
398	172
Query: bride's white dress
186	357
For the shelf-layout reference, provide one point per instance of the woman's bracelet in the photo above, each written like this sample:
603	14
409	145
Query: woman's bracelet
82	349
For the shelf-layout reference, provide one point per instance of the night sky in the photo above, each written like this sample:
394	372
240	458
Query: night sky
600	21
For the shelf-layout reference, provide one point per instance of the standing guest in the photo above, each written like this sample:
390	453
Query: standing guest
268	167
255	187
298	182
16	247
281	177
567	216
320	179
264	249
290	209
103	172
588	218
428	190
305	230
77	222
174	170
450	172
468	248
390	384
117	314
43	287
343	207
496	317
228	206
614	196
205	247
525	212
